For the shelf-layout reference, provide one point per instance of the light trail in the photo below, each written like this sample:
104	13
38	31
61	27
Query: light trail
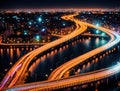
25	60
60	71
78	31
80	79
67	82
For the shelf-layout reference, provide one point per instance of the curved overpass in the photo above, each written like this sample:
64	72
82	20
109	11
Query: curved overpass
55	82
67	82
17	72
59	72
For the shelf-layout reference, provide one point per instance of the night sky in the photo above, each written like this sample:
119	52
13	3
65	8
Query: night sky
59	4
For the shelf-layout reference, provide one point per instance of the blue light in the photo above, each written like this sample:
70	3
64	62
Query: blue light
102	18
15	17
30	23
39	19
103	34
25	32
97	25
64	24
37	37
97	31
43	30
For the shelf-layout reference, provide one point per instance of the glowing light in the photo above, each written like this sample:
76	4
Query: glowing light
87	42
103	34
102	18
43	30
18	66
25	32
103	41
16	17
97	25
37	37
118	62
97	31
97	41
64	24
39	19
30	23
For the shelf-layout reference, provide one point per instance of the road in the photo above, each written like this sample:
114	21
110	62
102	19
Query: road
53	83
15	74
71	81
84	34
60	71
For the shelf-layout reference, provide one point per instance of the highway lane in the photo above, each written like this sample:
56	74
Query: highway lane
21	73
62	69
99	75
25	60
67	82
59	72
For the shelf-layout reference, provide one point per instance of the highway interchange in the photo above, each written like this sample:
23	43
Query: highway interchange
16	73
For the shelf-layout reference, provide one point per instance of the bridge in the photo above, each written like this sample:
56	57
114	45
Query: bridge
84	34
68	82
23	63
51	84
60	71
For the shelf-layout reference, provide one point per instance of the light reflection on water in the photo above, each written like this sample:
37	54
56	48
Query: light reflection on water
9	55
18	52
43	65
55	59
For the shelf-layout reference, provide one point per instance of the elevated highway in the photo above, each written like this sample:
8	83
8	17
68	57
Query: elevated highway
68	82
15	74
60	71
55	81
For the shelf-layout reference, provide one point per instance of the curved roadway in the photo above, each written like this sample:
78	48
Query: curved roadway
66	82
16	73
52	83
59	72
